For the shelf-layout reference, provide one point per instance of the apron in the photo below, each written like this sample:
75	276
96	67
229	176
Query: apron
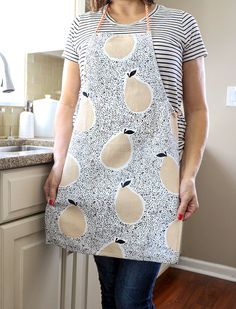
119	191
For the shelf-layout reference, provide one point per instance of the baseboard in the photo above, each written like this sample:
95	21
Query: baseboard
206	268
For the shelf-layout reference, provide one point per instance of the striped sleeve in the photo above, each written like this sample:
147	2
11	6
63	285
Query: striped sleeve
70	52
194	46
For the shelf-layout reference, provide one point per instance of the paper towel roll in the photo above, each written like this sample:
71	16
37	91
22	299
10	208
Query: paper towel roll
44	113
26	125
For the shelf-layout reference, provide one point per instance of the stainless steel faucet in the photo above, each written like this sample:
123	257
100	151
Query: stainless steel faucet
5	81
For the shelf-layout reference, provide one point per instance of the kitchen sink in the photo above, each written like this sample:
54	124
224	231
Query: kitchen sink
25	148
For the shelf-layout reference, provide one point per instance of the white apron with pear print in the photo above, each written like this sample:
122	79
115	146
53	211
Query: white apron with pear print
119	191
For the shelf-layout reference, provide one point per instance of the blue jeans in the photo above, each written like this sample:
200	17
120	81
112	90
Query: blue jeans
126	284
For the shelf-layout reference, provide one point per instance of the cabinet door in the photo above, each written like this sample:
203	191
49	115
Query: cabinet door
35	25
82	6
21	191
67	280
30	270
74	280
48	23
93	286
79	279
31	26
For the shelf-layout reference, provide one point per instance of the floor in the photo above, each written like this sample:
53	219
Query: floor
180	289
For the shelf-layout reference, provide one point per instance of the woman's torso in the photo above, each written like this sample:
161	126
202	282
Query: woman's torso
176	38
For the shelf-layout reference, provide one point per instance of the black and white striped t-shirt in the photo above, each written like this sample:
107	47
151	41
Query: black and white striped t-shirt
176	39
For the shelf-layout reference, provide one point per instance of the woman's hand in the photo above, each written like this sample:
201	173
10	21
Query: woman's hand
52	183
188	199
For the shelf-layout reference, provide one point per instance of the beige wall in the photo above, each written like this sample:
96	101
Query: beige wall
210	234
44	76
9	121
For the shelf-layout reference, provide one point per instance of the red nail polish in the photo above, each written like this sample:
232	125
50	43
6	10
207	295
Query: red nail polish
180	216
51	202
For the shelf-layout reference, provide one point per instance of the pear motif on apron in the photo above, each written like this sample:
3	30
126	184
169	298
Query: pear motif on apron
117	152
173	234
72	221
138	94
119	46
70	172
86	114
114	249
129	205
169	173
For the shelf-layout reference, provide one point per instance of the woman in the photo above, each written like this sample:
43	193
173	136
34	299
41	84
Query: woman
121	57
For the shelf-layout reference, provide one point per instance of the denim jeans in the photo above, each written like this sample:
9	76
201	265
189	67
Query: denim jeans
126	284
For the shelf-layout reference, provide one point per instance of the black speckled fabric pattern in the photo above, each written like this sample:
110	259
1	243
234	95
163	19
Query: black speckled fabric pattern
96	187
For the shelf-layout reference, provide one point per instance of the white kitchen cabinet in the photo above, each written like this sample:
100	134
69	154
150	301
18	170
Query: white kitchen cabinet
79	281
93	286
82	6
67	284
31	26
21	191
33	274
48	22
79	6
80	284
40	26
30	270
74	280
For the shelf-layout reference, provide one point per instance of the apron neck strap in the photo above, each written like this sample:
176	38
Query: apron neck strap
105	11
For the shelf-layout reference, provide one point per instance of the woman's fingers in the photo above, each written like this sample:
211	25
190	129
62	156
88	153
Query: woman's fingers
188	199
188	206
46	189
50	190
192	207
52	194
184	201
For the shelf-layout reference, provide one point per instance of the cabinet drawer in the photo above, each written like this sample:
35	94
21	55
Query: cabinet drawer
21	191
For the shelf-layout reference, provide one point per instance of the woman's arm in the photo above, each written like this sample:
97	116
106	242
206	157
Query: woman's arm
196	114
66	108
63	126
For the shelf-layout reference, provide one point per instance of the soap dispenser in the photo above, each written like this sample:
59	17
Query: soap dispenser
26	123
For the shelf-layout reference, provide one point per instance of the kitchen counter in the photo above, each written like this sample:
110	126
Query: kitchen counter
25	158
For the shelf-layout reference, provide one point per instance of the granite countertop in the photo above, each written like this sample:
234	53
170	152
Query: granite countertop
26	158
